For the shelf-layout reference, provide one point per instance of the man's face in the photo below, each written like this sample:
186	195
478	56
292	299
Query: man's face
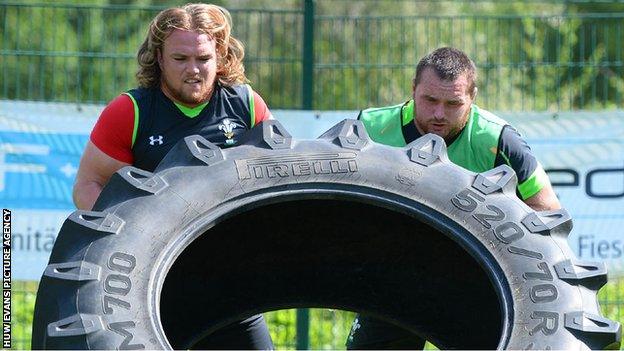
441	107
188	61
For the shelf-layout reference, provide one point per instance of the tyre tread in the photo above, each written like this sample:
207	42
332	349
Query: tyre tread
77	324
545	222
502	178
75	271
592	275
103	222
427	150
596	331
348	134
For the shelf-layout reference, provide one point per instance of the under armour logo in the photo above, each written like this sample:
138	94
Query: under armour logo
154	140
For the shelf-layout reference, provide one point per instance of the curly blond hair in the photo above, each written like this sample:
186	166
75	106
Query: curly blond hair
202	18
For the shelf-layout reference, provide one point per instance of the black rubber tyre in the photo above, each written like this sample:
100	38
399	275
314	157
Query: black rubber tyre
212	236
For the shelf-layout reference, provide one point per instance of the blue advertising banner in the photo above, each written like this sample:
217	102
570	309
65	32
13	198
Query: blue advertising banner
38	170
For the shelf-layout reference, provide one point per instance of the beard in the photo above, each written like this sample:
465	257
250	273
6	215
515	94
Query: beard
448	133
193	98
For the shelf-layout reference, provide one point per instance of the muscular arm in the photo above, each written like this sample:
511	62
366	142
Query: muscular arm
544	200
94	171
534	185
108	150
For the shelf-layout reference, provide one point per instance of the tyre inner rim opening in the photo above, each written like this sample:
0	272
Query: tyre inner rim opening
332	253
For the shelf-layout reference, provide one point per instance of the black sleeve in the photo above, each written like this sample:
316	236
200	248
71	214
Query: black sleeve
514	151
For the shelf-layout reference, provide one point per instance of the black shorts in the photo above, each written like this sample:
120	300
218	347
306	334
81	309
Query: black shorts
368	333
249	334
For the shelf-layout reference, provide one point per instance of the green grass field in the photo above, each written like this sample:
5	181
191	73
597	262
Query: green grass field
328	328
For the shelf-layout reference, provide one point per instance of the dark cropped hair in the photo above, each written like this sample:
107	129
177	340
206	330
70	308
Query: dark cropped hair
448	63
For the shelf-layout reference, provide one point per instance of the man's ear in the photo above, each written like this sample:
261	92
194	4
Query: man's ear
474	93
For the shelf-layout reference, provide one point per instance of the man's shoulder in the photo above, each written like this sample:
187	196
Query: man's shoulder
487	117
485	128
382	109
234	89
140	93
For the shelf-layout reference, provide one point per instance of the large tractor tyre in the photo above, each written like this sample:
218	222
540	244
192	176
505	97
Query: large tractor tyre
402	234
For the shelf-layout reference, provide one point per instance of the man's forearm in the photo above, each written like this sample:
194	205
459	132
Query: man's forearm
85	194
544	200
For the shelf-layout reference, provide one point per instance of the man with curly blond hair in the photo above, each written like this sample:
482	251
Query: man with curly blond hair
191	81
